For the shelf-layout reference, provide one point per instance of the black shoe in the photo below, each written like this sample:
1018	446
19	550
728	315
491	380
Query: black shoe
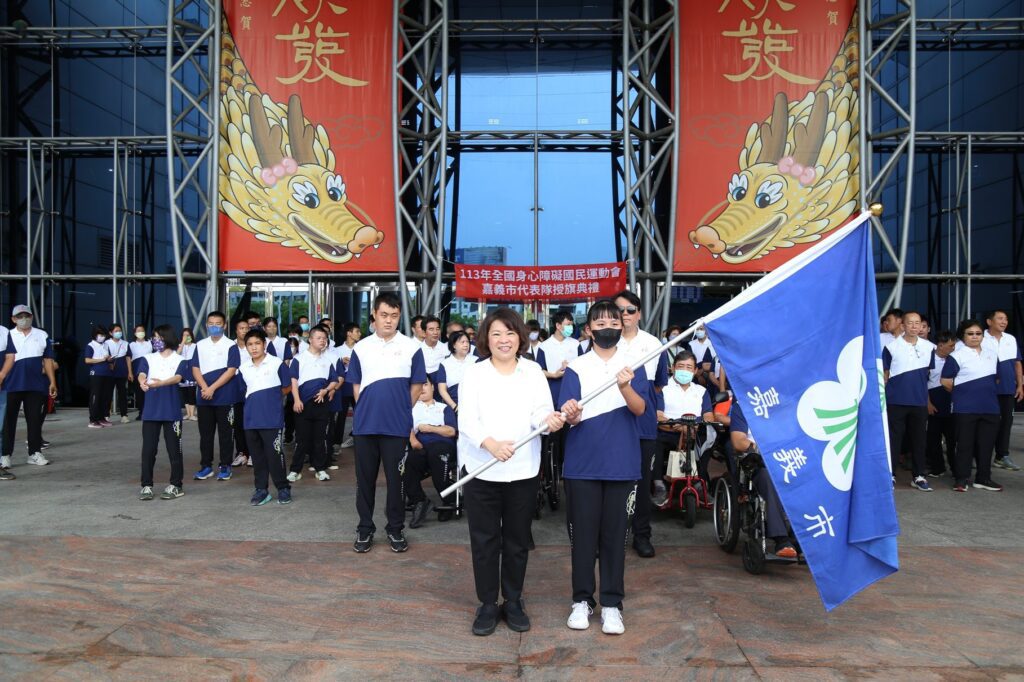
398	542
363	543
409	506
486	620
444	515
419	513
642	545
6	475
515	616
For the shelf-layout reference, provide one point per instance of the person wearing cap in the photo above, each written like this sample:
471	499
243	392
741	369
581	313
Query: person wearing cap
5	473
28	378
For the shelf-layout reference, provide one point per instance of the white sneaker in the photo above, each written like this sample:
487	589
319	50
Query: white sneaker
312	468
579	619
611	621
292	476
333	467
238	461
5	462
125	420
322	476
349	443
248	461
38	459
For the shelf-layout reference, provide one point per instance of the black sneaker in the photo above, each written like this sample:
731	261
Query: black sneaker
419	513
515	616
363	543
988	485
643	546
6	475
398	542
486	620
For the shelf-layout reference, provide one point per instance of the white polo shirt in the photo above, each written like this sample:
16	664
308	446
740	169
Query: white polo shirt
385	372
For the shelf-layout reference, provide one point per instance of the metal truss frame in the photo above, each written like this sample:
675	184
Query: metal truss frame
192	108
420	49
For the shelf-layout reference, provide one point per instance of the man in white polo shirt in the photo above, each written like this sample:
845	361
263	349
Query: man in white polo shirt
433	350
1009	381
5	464
28	378
387	373
906	361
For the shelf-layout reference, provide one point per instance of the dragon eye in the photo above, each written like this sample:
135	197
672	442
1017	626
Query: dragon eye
305	194
767	194
738	187
335	187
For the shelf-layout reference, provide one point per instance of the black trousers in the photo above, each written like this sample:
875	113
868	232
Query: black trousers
642	514
338	428
499	516
237	420
311	432
120	384
214	419
371	451
100	394
264	446
437	458
150	444
941	429
912	421
289	418
975	438
1006	405
774	516
35	404
140	396
599	514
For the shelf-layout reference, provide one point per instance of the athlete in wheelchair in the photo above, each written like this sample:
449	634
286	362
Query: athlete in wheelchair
690	431
746	501
432	452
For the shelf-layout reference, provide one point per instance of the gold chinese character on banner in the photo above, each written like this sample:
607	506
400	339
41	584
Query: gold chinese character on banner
310	16
784	6
246	23
761	48
833	18
316	52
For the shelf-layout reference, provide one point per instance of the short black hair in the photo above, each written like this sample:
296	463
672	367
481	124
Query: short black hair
897	312
512	320
249	314
268	320
629	296
532	325
605	308
945	336
925	320
256	334
293	328
415	321
304	317
453	339
349	326
560	316
217	313
169	336
324	319
386	298
320	328
965	325
995	311
685	354
427	320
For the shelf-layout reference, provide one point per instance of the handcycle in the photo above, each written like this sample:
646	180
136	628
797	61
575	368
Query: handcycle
689	486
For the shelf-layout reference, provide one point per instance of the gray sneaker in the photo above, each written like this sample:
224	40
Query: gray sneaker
171	492
146	494
1006	463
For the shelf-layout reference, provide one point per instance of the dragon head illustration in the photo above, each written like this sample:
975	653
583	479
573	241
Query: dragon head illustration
794	182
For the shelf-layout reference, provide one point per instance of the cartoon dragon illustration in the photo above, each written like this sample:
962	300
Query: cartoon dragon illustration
277	172
798	174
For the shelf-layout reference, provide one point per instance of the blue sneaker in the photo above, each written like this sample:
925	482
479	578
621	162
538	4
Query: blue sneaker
260	497
921	483
223	473
204	473
284	496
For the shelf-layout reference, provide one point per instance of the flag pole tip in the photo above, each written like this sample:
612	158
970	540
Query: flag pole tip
876	209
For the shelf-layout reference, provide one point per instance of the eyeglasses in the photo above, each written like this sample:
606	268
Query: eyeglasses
629	310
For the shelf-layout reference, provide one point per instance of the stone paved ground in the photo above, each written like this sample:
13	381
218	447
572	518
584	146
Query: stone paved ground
97	585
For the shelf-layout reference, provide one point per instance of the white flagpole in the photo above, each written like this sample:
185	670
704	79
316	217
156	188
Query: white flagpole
586	399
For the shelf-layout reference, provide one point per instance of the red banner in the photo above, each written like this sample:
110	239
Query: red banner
306	153
768	130
544	283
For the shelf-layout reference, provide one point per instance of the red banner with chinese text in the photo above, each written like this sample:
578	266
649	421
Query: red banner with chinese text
768	130
544	283
306	153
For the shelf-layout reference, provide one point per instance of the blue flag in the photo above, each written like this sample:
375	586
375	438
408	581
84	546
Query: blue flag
803	355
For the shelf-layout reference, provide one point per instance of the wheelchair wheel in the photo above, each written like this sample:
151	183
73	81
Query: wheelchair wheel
726	515
689	510
753	557
539	507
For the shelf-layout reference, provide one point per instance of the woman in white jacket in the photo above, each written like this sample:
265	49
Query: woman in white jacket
502	398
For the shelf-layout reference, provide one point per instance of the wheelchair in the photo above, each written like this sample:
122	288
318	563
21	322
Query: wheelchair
453	473
740	509
550	475
688	487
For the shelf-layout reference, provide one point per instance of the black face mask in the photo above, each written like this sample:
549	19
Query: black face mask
606	338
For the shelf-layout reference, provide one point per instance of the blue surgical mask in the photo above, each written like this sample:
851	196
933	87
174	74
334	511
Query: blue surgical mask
215	329
699	334
683	376
305	326
117	335
158	344
567	331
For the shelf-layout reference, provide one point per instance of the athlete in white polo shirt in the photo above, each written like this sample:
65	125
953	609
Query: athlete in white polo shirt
907	361
27	377
387	373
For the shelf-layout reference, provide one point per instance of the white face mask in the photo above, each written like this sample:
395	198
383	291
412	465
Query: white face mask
23	323
534	336
100	338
